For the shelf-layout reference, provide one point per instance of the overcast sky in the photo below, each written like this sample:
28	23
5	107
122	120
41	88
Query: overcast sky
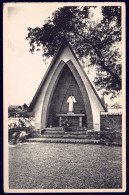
25	70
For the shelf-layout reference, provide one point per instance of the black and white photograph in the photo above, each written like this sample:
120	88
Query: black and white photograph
64	97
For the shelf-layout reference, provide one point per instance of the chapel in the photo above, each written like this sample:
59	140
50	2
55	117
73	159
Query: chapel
66	92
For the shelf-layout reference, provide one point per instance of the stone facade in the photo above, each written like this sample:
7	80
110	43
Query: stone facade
112	121
64	88
65	76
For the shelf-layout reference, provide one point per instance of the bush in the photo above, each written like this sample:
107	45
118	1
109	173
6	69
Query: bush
18	137
110	137
66	124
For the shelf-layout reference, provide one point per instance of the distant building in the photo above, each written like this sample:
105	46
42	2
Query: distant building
13	110
19	111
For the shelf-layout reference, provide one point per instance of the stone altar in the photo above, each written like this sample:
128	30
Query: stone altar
69	114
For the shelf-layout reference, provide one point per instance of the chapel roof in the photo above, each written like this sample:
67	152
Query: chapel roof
56	55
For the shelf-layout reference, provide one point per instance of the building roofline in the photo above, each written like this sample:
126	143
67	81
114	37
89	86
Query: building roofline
57	53
47	72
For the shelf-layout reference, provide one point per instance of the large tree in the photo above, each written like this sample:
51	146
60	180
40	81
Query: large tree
97	41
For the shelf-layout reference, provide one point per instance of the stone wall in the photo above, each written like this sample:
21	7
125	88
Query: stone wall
41	102
112	121
111	128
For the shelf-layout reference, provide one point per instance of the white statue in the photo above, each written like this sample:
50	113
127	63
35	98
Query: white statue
71	100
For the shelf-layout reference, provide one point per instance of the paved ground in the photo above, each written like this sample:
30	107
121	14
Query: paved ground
64	166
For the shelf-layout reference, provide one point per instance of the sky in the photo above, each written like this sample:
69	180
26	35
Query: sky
24	70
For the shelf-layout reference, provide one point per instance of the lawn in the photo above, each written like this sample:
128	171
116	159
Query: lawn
64	166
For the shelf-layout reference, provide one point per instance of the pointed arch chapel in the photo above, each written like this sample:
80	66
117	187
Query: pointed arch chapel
66	77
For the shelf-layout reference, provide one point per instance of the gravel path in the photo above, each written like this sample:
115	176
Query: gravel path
64	166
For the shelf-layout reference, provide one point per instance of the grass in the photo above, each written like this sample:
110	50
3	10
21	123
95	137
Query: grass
64	166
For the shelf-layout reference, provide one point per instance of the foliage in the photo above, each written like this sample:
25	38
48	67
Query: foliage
97	40
116	106
111	137
18	136
66	124
104	103
112	13
25	107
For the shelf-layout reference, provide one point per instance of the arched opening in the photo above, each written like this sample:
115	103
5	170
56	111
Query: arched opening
66	86
65	80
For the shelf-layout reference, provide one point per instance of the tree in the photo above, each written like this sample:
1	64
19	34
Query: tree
97	41
116	106
20	107
112	13
25	107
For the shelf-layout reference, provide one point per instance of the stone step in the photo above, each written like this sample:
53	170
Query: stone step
54	128
71	136
61	140
61	128
52	132
63	132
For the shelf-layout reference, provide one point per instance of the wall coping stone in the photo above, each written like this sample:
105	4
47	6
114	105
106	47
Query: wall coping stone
111	113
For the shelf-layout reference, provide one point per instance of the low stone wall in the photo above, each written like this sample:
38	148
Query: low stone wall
111	121
111	128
